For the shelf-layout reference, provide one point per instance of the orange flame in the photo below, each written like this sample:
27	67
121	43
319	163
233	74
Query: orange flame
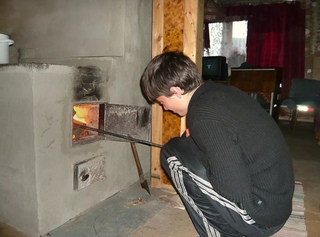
80	114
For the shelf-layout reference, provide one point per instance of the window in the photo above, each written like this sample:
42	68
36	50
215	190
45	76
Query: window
228	39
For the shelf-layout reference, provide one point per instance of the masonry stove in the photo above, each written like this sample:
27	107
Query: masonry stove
50	170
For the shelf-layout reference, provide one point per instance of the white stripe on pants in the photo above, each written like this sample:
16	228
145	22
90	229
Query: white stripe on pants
177	169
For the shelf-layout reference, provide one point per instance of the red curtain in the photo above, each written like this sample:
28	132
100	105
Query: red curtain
276	38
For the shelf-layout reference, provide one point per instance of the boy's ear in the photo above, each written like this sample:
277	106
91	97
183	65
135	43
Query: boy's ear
176	91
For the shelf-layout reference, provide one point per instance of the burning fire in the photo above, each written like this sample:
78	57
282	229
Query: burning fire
80	115
84	114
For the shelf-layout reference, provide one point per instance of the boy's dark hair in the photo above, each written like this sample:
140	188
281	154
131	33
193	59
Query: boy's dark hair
167	70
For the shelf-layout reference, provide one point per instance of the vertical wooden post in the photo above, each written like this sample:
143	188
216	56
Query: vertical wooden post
193	36
157	112
193	31
177	26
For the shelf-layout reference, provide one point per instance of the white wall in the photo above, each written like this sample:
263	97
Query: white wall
18	185
38	182
58	29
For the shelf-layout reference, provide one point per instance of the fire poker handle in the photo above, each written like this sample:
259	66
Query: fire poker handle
120	136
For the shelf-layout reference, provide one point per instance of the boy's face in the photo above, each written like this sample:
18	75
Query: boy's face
177	103
173	104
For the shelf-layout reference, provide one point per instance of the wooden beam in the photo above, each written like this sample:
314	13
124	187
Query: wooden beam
193	36
193	30
157	112
177	26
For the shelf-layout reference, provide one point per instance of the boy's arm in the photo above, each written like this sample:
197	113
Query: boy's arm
227	169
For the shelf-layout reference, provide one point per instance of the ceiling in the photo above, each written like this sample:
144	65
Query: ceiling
214	9
243	2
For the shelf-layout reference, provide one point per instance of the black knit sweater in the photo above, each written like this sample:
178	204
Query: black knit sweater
247	158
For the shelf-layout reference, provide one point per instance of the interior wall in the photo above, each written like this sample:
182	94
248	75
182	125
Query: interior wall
121	51
61	28
312	68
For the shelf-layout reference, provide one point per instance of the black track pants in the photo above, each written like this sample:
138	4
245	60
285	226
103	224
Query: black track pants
211	214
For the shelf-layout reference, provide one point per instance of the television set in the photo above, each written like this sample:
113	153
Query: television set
215	68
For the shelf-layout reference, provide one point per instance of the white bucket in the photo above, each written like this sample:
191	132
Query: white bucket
5	42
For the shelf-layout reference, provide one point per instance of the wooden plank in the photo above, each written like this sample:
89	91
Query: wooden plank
173	25
173	30
156	170
193	31
157	113
177	26
193	37
199	34
157	27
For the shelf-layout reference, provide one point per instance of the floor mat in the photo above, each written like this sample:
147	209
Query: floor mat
172	221
295	226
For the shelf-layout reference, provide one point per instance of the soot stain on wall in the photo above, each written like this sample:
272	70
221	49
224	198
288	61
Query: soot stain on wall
87	82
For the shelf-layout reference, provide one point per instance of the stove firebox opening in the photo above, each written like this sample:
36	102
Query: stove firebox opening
88	114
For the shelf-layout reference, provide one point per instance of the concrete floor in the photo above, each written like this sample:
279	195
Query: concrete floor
135	213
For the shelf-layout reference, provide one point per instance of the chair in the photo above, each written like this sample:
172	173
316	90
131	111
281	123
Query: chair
302	92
